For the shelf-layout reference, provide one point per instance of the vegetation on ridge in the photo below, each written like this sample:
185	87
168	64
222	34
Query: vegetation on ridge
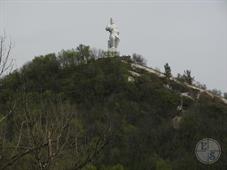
78	110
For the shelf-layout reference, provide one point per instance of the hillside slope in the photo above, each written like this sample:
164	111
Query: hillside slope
70	112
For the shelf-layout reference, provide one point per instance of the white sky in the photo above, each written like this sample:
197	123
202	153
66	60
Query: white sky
188	34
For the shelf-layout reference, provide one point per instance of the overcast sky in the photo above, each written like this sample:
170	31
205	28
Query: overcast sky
188	34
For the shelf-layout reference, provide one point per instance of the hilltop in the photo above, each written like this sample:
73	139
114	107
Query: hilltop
83	110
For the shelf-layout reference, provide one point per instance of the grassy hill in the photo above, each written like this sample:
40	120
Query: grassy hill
76	110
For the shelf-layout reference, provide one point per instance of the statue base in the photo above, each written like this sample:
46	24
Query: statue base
112	52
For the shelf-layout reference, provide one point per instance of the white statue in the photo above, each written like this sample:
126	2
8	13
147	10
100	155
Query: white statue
114	36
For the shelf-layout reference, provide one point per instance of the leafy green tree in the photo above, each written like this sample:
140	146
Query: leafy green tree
162	165
167	73
68	58
84	52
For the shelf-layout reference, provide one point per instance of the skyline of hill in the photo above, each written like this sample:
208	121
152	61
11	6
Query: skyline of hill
77	110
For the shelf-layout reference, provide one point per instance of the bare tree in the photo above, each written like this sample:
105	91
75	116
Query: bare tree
6	61
138	59
49	133
216	92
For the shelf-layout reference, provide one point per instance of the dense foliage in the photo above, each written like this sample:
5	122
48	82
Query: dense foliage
74	111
